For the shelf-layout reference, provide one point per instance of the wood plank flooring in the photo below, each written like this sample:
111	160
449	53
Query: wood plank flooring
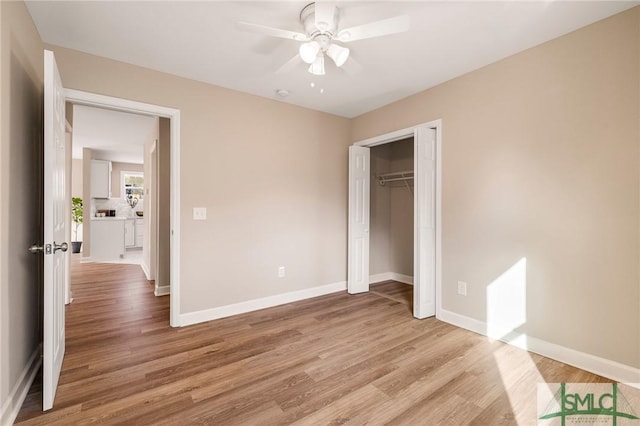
401	293
336	359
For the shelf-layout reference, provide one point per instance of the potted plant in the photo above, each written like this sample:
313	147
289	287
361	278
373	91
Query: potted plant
76	216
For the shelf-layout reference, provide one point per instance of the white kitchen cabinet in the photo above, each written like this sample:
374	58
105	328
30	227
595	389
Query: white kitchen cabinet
107	238
129	233
139	232
100	179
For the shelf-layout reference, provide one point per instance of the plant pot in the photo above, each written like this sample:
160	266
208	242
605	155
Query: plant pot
75	246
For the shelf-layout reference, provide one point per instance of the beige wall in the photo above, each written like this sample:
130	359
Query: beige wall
272	176
76	178
21	76
116	179
87	155
163	205
540	161
149	245
379	226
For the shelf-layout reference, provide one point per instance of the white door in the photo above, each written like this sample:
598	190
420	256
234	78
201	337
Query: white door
358	250
424	209
55	223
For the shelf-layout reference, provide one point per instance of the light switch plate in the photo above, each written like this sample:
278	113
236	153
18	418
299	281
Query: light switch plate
462	288
199	213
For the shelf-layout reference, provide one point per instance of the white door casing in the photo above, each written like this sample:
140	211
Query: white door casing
424	212
427	225
358	242
55	223
67	282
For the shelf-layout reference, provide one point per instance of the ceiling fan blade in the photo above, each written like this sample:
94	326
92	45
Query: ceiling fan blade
384	27
325	14
289	65
270	31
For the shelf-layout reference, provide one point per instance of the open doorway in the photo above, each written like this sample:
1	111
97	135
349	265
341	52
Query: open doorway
426	227
114	175
165	151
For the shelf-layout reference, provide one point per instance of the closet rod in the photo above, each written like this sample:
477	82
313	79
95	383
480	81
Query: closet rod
395	176
396	179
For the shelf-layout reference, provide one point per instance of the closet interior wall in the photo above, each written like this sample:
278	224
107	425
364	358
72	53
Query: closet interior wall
391	211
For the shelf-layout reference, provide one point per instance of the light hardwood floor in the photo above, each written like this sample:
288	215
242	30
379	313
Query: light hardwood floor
336	359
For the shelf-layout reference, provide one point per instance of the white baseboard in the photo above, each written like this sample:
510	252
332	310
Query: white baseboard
378	278
86	259
601	366
12	405
406	279
390	276
462	321
257	304
162	290
145	269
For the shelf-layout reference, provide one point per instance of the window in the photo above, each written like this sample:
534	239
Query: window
132	185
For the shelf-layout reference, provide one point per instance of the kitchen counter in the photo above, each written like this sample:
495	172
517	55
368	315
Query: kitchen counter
111	218
107	238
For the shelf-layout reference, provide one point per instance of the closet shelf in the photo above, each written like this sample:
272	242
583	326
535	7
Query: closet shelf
395	177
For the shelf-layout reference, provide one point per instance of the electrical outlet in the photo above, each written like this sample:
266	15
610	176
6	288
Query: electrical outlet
281	272
199	213
462	288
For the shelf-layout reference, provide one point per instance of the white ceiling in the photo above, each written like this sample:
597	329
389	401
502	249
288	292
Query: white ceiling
198	40
113	135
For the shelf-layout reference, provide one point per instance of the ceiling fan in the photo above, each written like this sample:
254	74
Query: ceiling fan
321	32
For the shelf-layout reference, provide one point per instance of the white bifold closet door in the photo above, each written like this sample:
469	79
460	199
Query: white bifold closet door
359	198
424	223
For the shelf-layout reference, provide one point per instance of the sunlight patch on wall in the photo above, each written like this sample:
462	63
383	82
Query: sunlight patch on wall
507	302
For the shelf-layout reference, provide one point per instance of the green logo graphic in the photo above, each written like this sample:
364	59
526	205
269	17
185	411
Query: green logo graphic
612	404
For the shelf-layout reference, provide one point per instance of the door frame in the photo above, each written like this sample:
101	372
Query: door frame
152	228
79	97
413	131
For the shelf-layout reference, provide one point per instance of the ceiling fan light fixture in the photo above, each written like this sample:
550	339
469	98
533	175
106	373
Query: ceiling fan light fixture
309	51
339	54
320	22
317	67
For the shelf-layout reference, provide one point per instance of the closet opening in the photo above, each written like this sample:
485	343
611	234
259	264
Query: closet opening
391	221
